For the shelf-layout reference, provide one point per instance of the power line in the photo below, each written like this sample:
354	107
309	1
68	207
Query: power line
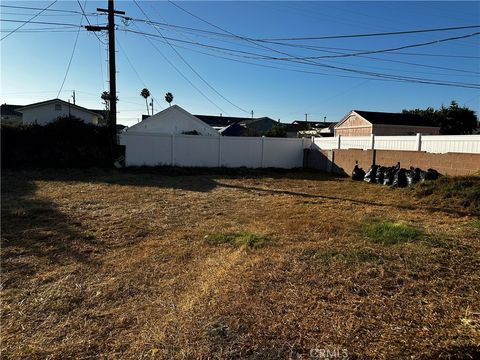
88	21
136	72
37	22
311	63
190	67
370	34
393	49
71	56
26	22
36	8
180	72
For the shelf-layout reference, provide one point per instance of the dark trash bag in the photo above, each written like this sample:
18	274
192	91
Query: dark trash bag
431	174
400	178
413	176
358	173
371	174
381	174
388	176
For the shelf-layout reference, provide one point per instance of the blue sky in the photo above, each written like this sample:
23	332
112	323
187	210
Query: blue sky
34	62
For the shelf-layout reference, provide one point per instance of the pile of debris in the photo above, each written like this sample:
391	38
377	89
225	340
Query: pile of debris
394	176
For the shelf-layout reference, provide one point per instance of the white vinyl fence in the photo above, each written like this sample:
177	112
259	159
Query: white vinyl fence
152	149
428	143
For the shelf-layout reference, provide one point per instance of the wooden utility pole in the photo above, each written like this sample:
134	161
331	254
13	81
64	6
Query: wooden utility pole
111	65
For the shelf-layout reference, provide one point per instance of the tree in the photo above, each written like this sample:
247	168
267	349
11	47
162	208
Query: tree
457	120
105	96
454	120
169	98
145	94
277	130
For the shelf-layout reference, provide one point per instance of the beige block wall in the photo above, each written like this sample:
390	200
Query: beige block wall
454	164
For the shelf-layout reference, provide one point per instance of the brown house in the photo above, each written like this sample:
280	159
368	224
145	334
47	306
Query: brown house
365	123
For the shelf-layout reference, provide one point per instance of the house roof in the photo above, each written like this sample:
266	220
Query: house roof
234	129
41	103
385	118
10	110
223	121
154	118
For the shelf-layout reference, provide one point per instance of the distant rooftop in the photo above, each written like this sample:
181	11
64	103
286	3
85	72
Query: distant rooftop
394	118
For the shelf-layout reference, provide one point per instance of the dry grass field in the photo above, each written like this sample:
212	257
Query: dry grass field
175	264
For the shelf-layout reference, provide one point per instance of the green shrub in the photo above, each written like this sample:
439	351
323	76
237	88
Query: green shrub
66	142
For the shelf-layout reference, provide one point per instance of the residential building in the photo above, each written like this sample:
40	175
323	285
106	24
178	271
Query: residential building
365	123
44	112
10	115
173	120
252	126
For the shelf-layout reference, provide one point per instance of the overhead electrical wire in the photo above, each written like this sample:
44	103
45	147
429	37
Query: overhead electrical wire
370	34
39	23
28	21
309	61
136	72
180	72
257	56
71	56
191	68
36	8
341	54
88	21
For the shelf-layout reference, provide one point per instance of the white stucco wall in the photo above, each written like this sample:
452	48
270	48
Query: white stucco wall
173	120
46	113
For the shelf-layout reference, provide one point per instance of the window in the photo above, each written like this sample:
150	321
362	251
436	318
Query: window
58	107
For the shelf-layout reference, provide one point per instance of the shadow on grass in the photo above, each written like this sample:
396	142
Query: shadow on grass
205	180
190	179
354	201
36	228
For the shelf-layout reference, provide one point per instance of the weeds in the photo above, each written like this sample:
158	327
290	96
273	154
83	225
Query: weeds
462	191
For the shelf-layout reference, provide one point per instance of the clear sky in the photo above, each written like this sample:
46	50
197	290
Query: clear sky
281	81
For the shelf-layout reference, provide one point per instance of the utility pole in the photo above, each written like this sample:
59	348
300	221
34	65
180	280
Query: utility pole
73	96
151	104
112	69
251	113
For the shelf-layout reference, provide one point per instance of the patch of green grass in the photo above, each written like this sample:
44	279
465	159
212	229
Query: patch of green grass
389	232
238	239
350	256
476	224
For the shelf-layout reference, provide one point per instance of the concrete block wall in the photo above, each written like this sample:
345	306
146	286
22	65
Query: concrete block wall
343	161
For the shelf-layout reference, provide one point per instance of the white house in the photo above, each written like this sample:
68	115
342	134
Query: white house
44	112
173	120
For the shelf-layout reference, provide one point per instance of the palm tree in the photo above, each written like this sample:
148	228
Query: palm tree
169	98
145	94
105	96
